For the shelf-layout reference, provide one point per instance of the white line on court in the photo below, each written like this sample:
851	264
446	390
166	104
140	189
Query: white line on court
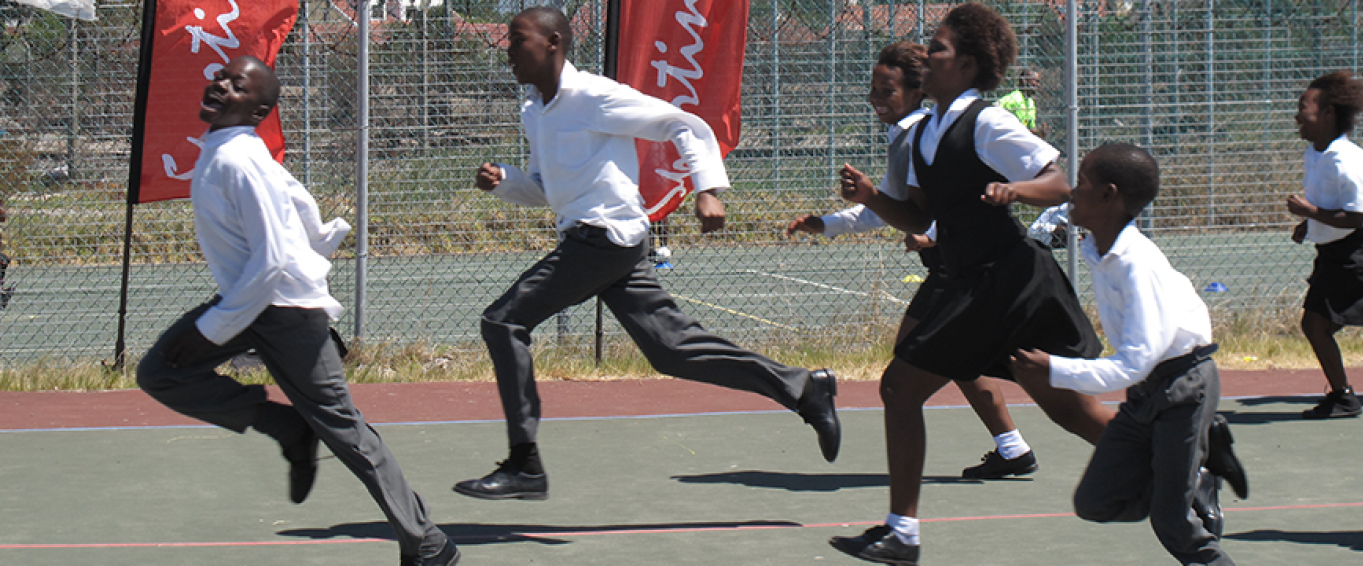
824	286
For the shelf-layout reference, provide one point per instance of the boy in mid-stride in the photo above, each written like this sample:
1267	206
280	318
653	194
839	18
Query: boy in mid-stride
264	241
1149	461
580	129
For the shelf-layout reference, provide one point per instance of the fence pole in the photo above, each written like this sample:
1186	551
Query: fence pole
1072	120
361	164
1211	113
306	49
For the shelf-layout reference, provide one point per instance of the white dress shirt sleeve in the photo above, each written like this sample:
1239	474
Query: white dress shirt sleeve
1147	331
1007	146
626	112
325	238
521	187
850	220
257	216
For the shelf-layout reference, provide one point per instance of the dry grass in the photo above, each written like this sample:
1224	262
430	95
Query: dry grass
1267	347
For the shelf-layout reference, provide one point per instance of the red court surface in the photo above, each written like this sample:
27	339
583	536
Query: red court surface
463	401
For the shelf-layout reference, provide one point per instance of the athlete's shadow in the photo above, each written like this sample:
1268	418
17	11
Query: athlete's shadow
806	482
481	533
790	481
1257	417
1352	540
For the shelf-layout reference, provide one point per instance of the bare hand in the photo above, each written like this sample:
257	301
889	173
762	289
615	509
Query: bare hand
1299	206
856	186
805	223
489	176
1299	232
186	348
917	242
1031	366
710	211
999	194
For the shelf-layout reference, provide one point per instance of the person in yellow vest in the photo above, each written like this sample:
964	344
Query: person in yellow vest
1022	100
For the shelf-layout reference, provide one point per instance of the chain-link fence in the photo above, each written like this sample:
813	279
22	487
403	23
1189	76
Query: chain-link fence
1209	87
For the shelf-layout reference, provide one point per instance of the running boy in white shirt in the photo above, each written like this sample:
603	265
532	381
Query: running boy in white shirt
580	129
1332	212
896	96
1149	460
264	241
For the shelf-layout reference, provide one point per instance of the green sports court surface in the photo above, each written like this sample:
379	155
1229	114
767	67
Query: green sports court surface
641	472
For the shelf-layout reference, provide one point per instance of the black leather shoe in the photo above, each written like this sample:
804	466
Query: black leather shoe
302	457
1207	502
816	408
1221	459
878	544
993	467
448	556
506	482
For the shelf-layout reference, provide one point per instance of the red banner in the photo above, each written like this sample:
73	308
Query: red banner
689	53
190	40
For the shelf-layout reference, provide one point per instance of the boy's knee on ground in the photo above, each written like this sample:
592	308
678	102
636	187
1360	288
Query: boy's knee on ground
1090	509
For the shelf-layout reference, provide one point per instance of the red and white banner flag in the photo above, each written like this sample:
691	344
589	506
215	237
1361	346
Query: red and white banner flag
190	40
689	53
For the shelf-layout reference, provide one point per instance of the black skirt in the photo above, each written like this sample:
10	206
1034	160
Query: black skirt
979	319
1336	281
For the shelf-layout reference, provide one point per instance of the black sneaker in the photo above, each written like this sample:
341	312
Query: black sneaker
878	544
506	482
1336	404
1207	502
993	467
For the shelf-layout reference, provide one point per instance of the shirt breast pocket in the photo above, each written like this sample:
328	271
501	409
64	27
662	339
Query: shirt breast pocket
575	148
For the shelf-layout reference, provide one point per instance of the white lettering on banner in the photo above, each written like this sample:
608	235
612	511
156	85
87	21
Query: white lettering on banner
689	22
665	69
217	43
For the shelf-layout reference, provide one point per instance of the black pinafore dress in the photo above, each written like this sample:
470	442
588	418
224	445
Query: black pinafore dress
1002	290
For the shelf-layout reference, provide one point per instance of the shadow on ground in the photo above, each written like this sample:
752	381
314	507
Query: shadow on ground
814	482
479	533
1352	540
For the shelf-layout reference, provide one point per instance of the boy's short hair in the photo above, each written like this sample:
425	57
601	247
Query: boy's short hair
551	20
1343	92
985	36
908	57
1132	169
269	86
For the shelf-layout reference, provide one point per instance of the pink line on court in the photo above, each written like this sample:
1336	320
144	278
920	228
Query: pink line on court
588	533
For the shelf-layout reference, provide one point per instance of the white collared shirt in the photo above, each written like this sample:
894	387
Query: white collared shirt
260	233
862	219
1149	311
1001	141
1333	181
582	161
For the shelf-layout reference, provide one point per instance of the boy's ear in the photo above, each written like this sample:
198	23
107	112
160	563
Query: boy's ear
261	113
1110	192
555	42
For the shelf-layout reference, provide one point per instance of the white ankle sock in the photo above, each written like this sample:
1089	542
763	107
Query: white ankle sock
1011	445
906	528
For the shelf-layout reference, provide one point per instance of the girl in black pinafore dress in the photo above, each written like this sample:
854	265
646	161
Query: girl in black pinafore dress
1003	291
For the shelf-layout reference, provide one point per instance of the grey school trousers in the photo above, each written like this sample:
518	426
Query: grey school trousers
587	264
295	345
1147	461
